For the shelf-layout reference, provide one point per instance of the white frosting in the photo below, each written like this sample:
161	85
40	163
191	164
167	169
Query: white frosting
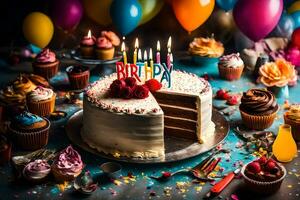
40	94
231	60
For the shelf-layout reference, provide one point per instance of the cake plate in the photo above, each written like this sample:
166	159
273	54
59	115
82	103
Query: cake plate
175	148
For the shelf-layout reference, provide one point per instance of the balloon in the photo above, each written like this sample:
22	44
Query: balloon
257	18
150	9
296	18
98	11
193	13
294	7
221	23
38	29
125	15
66	14
296	37
226	4
285	26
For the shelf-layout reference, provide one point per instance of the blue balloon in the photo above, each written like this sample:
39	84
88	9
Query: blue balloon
285	26
226	4
126	15
296	17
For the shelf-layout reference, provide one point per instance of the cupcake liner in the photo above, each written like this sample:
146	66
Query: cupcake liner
46	70
31	140
5	154
42	108
79	81
230	73
87	51
35	180
258	122
59	177
105	54
263	187
295	127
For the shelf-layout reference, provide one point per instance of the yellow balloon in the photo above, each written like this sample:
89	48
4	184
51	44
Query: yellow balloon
98	11
150	9
294	7
38	29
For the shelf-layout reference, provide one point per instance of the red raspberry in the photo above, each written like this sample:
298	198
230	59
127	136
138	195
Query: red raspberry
220	93
270	165
166	174
254	167
262	160
233	100
153	85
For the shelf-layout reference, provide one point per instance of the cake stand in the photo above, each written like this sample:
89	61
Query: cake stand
176	148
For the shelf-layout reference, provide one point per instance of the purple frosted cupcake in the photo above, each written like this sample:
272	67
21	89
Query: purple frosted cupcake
36	171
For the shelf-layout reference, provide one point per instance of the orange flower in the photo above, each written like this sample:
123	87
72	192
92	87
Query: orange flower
206	47
278	73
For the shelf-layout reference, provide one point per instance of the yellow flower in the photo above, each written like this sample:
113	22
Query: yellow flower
278	73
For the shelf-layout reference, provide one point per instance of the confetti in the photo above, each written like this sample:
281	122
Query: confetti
234	197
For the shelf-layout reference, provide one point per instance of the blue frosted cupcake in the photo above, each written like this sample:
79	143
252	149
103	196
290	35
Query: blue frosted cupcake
29	131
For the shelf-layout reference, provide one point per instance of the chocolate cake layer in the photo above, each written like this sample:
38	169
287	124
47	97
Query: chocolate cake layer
180	123
176	111
180	132
175	99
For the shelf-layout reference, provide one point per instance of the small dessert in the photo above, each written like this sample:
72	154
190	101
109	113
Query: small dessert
29	131
258	109
23	84
231	67
67	165
5	150
105	45
292	117
41	101
87	45
78	76
38	80
36	171
263	176
46	64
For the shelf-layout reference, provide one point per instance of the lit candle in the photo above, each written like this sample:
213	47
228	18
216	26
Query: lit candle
140	63
158	52
145	58
148	70
123	49
136	46
151	58
140	55
169	55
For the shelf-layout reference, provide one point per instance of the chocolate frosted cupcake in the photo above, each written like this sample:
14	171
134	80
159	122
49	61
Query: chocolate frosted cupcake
231	67
29	131
292	117
78	77
67	165
258	109
36	171
5	150
46	64
41	101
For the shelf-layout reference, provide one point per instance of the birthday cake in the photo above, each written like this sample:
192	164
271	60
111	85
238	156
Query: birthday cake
136	127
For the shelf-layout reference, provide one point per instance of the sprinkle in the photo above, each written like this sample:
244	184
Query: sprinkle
62	186
198	188
117	182
234	197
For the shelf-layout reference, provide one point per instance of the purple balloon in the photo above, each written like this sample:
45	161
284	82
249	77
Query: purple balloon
66	14
257	18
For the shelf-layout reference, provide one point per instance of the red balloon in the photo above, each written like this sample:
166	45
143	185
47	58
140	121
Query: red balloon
296	38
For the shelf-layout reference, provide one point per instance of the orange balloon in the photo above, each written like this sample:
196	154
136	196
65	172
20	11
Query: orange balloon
192	13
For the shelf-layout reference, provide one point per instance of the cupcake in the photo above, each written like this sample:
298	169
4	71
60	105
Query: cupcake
231	67
29	131
78	77
263	176
46	64
105	45
41	101
67	165
205	50
23	84
36	171
258	109
5	150
87	46
292	117
38	80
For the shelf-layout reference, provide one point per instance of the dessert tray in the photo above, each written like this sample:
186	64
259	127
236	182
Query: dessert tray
75	54
176	148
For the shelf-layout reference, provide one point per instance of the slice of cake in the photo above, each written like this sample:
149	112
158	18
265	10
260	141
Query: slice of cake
136	127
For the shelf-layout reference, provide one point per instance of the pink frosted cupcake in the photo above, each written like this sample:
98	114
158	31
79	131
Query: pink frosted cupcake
46	64
36	171
105	45
67	165
87	46
231	67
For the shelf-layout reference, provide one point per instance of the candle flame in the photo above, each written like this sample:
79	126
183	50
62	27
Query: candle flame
145	55
89	35
123	46
139	54
158	46
136	44
150	54
169	42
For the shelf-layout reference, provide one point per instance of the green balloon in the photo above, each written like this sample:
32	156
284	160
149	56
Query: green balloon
150	9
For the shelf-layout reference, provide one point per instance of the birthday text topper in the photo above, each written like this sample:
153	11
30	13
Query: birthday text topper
145	69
